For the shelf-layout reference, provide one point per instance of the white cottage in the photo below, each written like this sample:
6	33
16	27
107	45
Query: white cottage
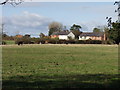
63	35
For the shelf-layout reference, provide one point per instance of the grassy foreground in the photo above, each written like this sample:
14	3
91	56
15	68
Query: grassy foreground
60	66
9	42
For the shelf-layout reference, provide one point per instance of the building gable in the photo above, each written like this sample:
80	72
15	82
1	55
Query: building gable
92	36
63	35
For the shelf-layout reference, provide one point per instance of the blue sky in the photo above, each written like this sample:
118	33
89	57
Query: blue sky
34	18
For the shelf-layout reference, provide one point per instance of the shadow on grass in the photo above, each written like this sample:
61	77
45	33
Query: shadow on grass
68	81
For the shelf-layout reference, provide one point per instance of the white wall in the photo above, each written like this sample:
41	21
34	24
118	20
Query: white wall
71	35
64	37
84	38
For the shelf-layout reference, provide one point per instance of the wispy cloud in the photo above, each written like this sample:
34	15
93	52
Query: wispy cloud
88	15
27	23
89	26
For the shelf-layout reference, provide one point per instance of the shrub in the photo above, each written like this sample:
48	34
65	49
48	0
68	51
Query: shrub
71	42
53	41
32	42
3	43
108	42
81	42
18	40
95	42
62	41
89	42
42	41
24	40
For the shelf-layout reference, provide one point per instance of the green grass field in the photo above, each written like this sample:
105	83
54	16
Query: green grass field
9	42
60	66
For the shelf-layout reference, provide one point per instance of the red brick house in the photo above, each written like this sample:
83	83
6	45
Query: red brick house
92	36
19	36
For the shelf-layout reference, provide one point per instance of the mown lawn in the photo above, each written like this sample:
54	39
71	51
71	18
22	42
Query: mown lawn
60	66
9	42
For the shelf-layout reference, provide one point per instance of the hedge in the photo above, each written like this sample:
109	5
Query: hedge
56	41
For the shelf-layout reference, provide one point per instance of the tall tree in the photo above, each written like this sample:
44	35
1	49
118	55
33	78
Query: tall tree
118	10
42	35
55	26
114	33
96	30
75	27
27	35
76	30
106	31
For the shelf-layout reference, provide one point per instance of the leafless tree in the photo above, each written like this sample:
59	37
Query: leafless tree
109	20
118	10
55	26
12	2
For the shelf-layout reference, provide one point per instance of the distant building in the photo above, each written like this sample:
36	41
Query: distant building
92	36
63	35
19	36
26	35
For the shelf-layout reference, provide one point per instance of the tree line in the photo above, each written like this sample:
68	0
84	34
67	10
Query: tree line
112	35
56	26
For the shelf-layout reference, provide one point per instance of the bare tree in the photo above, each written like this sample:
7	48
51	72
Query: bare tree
118	10
3	2
55	26
109	20
12	2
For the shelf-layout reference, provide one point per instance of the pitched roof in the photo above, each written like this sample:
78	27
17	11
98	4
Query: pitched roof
19	36
92	34
65	32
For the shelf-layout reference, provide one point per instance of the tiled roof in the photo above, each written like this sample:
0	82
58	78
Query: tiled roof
92	34
61	33
19	35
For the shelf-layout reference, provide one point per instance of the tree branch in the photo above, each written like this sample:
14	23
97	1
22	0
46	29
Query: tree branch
12	2
3	3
